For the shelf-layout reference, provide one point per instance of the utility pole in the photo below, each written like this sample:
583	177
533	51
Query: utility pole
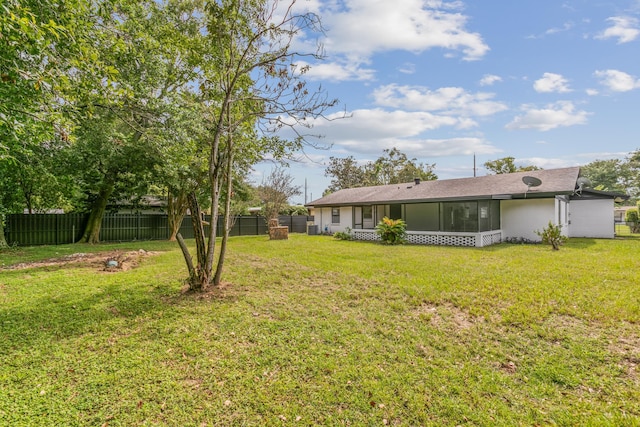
474	165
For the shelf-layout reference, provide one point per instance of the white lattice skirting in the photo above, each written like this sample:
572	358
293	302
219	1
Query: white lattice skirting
439	238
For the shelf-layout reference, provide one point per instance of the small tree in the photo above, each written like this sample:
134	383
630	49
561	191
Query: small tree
392	231
276	190
552	235
633	220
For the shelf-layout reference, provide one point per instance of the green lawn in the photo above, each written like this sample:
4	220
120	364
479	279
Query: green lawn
314	331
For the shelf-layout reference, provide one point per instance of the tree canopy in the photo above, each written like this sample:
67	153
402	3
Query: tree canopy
392	167
105	100
507	165
621	175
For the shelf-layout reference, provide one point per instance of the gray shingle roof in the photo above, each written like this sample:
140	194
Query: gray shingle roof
554	181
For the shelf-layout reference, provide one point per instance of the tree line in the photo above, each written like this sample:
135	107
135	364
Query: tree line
106	100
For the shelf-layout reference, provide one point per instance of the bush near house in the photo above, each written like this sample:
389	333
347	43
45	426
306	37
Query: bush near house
633	220
392	231
343	235
552	235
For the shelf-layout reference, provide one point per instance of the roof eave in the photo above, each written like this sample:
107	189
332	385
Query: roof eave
501	196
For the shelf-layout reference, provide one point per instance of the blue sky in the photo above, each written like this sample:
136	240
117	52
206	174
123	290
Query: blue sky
549	82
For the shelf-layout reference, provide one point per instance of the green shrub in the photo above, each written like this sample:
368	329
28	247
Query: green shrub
392	231
552	235
633	220
343	235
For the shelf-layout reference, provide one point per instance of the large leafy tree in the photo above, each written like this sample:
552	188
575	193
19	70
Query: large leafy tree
393	167
507	165
606	175
622	175
121	136
632	173
38	40
345	173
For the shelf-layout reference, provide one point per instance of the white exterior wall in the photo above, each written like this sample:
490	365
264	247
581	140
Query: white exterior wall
521	218
323	218
591	218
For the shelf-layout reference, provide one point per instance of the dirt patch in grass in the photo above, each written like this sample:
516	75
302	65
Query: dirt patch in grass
628	349
448	314
111	261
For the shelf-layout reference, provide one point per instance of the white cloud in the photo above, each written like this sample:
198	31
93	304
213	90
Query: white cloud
551	82
427	148
370	124
439	4
335	71
489	79
559	114
407	68
624	28
617	81
566	27
592	92
364	27
424	148
547	163
447	100
370	131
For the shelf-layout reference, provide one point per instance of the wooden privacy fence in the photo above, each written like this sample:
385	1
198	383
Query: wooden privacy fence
58	229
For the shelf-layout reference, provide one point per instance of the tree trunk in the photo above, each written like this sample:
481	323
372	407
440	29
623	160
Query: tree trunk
3	239
176	210
193	274
202	277
227	211
92	230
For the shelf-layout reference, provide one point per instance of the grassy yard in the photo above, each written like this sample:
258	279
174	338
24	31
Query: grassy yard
314	331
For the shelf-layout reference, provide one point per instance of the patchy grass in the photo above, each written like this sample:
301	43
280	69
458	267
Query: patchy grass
314	331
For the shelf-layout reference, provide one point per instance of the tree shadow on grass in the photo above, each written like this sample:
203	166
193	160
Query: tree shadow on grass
56	316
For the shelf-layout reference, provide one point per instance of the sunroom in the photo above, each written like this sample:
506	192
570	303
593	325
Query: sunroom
454	223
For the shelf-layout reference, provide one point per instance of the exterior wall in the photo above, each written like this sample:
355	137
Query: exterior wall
591	218
322	217
521	218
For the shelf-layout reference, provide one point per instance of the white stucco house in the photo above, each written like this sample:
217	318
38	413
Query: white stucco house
477	211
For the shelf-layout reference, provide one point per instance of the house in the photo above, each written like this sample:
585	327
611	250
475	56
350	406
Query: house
620	213
474	211
152	205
